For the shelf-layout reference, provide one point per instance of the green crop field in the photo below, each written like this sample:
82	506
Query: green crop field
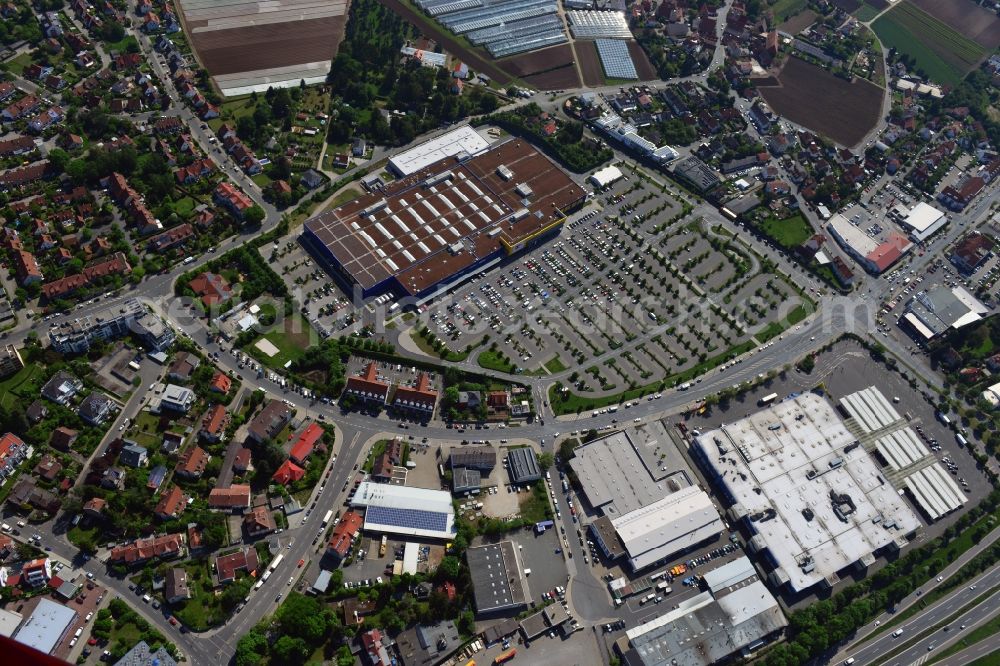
944	54
783	9
865	12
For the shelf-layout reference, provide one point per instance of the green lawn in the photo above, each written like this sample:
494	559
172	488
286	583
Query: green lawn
291	340
492	360
783	9
18	63
788	233
555	365
349	194
9	386
184	207
943	53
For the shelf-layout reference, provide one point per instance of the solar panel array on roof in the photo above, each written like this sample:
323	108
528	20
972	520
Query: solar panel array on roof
407	518
586	24
615	59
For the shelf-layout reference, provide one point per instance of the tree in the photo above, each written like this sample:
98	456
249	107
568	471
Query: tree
344	656
251	649
545	460
449	567
288	650
304	617
254	215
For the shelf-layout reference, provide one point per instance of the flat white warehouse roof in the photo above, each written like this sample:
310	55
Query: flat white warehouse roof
815	498
924	220
677	522
870	409
935	491
463	139
606	176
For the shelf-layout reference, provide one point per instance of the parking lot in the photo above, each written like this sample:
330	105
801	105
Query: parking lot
647	292
321	300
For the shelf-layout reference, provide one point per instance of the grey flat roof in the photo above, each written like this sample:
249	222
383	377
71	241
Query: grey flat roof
523	465
704	630
497	577
805	486
620	473
46	626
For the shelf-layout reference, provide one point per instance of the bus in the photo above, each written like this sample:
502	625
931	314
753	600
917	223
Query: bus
326	518
504	657
767	399
276	561
960	439
383	546
656	576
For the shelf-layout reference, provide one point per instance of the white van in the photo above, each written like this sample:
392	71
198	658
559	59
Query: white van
189	260
897	633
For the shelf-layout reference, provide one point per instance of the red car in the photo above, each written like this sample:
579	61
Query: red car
301	562
92	641
173	621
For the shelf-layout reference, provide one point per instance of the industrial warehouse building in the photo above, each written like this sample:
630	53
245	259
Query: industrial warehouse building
734	616
443	221
650	509
462	141
678	522
921	222
908	464
498	579
815	500
940	309
407	511
46	627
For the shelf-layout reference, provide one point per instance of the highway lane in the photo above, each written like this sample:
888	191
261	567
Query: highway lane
938	612
948	635
914	597
987	646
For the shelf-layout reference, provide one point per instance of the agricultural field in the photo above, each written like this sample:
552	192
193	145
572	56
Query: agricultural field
785	9
848	5
834	107
796	24
643	67
942	53
967	18
547	69
866	12
590	63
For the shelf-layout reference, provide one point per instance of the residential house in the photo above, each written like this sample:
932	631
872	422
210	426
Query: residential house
235	498
63	438
113	478
306	442
221	383
192	463
26	268
27	494
171	238
167	546
269	421
183	366
244	559
214	423
175	587
13	451
10	361
287	473
95	408
47	469
259	522
367	387
420	398
241	461
94	508
61	387
176	398
212	288
231	197
972	251
171	504
134	455
37	573
348	527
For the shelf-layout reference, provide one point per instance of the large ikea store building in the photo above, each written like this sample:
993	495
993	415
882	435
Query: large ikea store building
461	214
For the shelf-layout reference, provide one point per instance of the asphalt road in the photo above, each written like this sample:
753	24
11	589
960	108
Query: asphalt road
883	644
